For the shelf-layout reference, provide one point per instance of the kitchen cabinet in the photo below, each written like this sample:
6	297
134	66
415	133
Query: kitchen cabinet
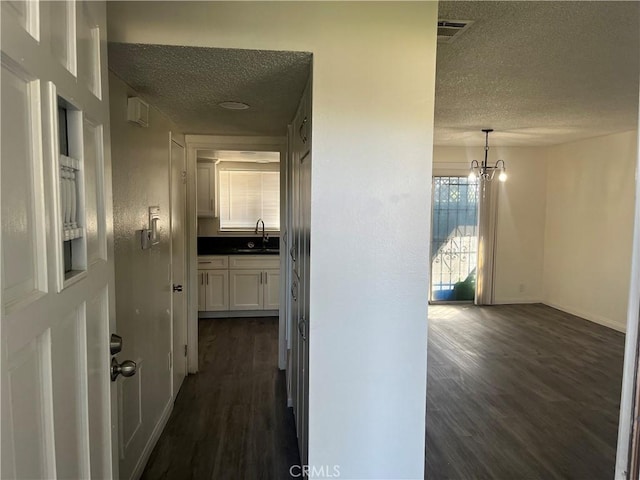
271	294
238	282
213	283
246	290
254	282
205	188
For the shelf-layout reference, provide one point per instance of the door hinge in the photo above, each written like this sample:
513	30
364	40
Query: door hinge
185	350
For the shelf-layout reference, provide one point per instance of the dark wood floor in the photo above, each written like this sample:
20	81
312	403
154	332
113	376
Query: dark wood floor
514	392
521	392
230	421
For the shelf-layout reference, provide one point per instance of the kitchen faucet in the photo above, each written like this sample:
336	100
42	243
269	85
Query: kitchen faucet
265	236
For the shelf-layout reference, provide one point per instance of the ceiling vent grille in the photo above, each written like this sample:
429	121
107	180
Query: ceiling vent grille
449	30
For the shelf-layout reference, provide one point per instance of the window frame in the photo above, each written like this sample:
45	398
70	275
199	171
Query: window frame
230	166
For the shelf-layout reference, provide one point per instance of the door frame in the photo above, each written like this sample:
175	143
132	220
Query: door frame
172	140
628	435
221	142
442	169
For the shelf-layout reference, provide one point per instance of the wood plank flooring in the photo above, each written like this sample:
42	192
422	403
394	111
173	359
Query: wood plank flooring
514	392
230	421
521	392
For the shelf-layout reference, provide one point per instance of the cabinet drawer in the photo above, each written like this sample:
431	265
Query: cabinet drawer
262	262
213	262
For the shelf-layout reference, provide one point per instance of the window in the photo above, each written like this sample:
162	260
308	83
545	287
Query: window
454	239
248	193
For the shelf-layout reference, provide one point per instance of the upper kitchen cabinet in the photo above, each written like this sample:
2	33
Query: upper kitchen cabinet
205	188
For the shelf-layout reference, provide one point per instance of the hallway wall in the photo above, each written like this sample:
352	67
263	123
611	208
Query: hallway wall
143	299
373	103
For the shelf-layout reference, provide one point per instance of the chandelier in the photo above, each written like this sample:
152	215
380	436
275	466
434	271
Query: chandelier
483	170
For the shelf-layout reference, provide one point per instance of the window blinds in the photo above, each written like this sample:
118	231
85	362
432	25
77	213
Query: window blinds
246	196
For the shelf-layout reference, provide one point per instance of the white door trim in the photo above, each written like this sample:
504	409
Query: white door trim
217	142
627	401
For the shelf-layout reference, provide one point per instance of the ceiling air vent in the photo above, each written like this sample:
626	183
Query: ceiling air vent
449	30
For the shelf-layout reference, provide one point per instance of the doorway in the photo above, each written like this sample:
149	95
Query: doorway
234	233
454	239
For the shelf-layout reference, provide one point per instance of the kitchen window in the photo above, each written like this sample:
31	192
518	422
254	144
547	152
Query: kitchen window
248	193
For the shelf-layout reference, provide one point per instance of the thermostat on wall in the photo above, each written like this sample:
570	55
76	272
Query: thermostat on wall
138	111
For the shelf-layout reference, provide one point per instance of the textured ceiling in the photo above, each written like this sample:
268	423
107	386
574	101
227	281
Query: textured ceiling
537	72
187	83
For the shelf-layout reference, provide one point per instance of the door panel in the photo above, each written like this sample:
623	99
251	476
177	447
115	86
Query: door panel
178	264
271	289
202	290
245	289
23	217
58	402
93	168
217	290
29	397
98	385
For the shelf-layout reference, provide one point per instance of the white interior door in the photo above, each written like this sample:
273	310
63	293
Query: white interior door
178	263
58	403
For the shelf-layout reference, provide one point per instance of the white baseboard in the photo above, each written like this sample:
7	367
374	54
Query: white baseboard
600	320
516	300
153	439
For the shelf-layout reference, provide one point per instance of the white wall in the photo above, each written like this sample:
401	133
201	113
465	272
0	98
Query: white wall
373	92
589	225
143	300
521	216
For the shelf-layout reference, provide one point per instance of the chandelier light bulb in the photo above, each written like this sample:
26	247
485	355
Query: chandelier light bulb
485	171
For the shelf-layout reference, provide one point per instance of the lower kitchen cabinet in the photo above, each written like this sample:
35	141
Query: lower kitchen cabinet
213	290
271	294
254	282
253	289
241	282
246	291
213	283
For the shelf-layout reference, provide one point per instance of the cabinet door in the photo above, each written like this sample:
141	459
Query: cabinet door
202	291
246	289
205	189
271	289
217	284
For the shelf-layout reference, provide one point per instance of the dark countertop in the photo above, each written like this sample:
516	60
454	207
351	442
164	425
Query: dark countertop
238	246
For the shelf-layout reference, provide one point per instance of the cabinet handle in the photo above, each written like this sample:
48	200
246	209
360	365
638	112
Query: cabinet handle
207	274
266	278
260	278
